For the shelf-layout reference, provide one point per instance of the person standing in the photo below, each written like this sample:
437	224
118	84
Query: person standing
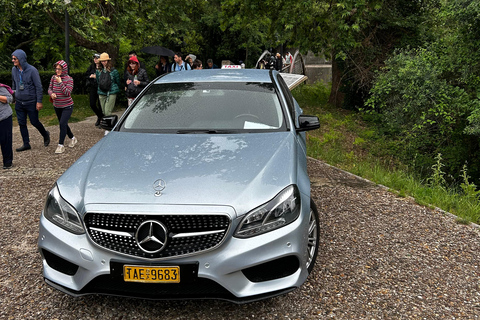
179	65
211	65
137	79
6	125
60	92
108	81
163	66
197	64
93	92
278	62
28	98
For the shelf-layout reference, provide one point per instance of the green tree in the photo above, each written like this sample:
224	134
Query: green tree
358	35
113	26
428	97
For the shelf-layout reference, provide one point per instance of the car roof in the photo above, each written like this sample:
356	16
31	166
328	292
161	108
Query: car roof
217	75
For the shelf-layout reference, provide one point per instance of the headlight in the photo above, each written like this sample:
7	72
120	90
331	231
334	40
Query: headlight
280	211
61	213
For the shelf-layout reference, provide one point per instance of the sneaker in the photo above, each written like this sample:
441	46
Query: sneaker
73	142
60	149
46	139
8	166
23	148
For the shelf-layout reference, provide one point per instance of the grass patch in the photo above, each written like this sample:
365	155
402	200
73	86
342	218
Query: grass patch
345	140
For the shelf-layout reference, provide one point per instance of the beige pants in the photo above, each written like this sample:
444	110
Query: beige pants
107	103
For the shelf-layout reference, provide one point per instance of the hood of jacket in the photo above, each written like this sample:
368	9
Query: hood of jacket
22	58
64	66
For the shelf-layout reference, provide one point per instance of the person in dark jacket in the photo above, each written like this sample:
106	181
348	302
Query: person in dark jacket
6	125
278	62
211	65
163	66
137	79
93	88
28	98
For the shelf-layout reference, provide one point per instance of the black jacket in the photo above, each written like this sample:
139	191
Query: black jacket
133	90
91	82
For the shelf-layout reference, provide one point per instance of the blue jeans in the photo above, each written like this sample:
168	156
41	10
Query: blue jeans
24	109
63	114
6	140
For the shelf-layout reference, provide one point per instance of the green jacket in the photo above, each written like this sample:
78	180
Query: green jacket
115	89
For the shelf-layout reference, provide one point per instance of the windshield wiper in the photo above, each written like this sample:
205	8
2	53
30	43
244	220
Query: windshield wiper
208	131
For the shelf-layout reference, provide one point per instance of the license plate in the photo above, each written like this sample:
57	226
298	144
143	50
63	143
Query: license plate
151	274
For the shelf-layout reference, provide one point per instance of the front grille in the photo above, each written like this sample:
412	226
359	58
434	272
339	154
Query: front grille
187	233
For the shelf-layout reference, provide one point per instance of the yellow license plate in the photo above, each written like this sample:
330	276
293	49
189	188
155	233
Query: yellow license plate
151	274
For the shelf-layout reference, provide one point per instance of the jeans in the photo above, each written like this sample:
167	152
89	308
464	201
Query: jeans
63	114
6	140
24	109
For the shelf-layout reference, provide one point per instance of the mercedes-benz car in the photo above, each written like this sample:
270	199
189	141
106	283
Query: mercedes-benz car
200	190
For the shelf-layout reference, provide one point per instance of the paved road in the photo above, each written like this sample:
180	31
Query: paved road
381	257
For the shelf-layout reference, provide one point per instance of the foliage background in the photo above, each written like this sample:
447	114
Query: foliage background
411	68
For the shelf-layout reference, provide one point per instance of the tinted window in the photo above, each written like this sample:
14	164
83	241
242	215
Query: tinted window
206	106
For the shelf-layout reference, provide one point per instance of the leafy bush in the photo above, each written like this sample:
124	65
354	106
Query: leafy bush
420	101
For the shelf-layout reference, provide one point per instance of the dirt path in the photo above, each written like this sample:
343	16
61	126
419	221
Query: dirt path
381	257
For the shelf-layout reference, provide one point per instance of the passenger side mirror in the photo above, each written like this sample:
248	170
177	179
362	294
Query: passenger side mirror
306	123
108	122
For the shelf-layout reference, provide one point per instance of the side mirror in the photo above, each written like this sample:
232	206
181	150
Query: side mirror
306	123
108	122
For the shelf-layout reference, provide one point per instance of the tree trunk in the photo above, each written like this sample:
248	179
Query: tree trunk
336	96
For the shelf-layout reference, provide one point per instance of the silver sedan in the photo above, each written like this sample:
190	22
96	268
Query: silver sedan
200	190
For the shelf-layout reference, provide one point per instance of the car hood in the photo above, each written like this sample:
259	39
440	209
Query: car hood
239	170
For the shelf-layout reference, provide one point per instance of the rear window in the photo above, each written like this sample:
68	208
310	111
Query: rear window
191	107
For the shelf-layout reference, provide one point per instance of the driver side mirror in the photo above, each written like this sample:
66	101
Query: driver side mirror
306	123
108	122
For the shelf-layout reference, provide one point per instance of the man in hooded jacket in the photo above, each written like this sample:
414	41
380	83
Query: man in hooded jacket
28	98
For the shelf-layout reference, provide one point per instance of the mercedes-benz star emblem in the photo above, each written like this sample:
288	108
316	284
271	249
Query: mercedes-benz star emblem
151	236
159	185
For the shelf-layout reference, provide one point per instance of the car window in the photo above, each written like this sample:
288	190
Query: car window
177	107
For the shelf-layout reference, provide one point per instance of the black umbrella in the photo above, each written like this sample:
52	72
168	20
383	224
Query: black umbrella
160	51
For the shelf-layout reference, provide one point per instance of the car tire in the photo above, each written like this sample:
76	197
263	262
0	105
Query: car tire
313	236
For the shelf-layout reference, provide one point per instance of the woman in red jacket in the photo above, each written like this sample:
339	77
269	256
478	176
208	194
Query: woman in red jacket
60	91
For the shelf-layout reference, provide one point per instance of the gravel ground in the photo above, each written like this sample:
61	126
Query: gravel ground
381	256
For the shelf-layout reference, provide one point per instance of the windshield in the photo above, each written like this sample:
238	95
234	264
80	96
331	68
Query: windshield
206	107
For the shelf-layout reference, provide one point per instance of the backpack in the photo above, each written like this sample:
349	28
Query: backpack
105	81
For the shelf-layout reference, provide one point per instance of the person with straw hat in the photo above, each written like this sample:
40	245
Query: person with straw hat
108	80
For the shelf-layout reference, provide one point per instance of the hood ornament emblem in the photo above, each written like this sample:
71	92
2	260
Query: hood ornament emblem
159	185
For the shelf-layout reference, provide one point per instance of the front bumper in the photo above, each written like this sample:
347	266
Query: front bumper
240	270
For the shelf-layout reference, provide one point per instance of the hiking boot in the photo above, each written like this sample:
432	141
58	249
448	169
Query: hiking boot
23	148
97	124
60	149
7	166
73	142
46	139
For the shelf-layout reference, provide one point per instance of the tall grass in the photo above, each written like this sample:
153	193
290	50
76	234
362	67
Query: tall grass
346	141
